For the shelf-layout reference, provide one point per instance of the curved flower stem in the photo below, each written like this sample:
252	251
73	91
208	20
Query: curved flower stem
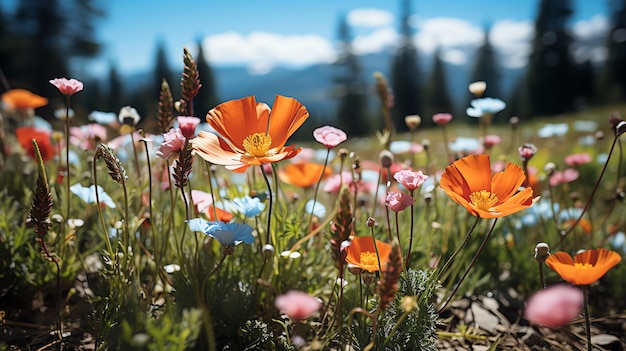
468	235
593	192
380	269
317	187
408	253
206	277
208	169
587	321
445	145
100	214
132	140
155	238
398	230
270	198
480	249
67	162
618	174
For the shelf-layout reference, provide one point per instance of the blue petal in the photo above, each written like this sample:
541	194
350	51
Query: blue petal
199	225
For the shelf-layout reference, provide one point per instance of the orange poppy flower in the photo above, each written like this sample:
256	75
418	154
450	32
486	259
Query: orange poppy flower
304	174
470	182
22	98
362	253
586	267
222	215
25	135
248	134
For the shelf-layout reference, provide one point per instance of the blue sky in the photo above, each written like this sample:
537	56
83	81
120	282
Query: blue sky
261	34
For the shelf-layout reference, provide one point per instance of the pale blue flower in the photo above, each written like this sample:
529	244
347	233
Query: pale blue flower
618	241
399	146
88	194
540	211
552	130
102	117
319	210
585	126
228	234
463	144
249	206
483	106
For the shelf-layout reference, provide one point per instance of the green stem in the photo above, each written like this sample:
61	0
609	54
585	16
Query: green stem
468	235
317	186
480	249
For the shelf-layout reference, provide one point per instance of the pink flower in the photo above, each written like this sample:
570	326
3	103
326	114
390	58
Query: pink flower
527	151
490	141
411	180
297	304
334	182
88	136
577	159
399	201
555	306
173	142
202	200
188	125
566	176
66	86
329	136
442	118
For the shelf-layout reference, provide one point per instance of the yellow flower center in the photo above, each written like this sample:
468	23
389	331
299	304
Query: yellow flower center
257	144
368	258
582	265
483	199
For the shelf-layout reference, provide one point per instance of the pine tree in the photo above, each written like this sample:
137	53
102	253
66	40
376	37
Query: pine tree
48	34
551	72
114	100
351	110
486	68
437	92
161	71
405	75
207	96
616	63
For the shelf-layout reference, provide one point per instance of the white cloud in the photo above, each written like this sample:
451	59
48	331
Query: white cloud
376	41
447	33
454	56
594	27
261	50
512	40
370	18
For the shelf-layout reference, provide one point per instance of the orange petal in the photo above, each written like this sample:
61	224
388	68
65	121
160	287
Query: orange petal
211	148
303	174
287	115
476	170
505	184
22	98
235	120
517	202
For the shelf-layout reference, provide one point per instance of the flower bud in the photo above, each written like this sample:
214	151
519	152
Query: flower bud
478	88
386	158
412	122
542	251
268	250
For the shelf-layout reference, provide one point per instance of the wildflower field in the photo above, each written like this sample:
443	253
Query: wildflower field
215	231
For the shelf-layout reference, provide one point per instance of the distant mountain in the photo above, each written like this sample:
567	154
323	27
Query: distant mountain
314	87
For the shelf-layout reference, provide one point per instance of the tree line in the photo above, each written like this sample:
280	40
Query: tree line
554	82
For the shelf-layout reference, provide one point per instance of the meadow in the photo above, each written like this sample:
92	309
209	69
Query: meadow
218	233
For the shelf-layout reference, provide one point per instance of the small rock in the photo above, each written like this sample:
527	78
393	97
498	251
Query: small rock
607	341
484	319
